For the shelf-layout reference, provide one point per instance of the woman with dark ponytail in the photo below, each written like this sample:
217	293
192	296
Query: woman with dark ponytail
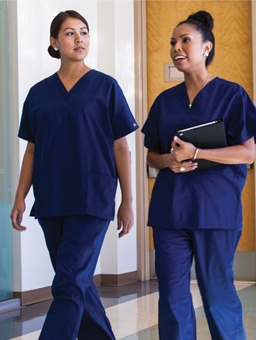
195	211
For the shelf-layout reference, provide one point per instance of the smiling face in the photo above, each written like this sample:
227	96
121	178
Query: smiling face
187	48
73	40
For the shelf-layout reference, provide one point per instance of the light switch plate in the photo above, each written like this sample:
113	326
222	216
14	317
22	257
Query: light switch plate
171	73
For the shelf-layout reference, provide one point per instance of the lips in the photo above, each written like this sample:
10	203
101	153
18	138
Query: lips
79	48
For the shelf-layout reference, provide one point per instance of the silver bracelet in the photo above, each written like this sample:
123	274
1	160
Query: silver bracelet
195	155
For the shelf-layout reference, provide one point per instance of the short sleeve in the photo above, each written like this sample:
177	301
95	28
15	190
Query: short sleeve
242	122
25	131
122	119
151	130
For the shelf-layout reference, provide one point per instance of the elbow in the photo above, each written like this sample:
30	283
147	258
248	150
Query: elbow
249	153
250	160
150	164
250	157
150	161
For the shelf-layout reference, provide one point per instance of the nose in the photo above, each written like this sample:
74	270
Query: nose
79	39
177	48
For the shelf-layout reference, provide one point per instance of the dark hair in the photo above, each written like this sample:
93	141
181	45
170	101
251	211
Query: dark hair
56	25
203	22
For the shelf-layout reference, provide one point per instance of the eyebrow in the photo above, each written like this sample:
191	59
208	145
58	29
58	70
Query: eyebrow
181	36
71	28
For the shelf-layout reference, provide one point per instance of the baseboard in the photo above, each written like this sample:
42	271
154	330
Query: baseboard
33	296
97	280
118	279
42	294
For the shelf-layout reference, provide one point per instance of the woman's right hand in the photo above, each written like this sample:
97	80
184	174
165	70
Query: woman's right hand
182	154
17	214
184	166
160	161
25	182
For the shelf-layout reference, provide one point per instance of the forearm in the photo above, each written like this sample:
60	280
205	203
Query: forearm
123	167
238	154
159	161
125	218
26	173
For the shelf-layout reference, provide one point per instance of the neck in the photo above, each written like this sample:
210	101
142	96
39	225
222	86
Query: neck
196	83
73	70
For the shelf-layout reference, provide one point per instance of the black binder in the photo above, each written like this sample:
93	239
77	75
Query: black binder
210	135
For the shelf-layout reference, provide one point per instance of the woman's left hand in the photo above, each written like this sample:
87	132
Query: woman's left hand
125	218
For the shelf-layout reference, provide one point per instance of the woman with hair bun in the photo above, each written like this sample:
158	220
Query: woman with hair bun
75	123
196	212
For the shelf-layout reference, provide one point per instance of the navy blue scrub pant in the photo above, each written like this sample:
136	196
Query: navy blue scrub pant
213	252
74	244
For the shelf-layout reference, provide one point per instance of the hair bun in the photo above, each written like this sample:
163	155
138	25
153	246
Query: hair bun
53	53
204	18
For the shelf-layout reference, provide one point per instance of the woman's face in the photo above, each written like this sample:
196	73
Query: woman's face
187	48
73	40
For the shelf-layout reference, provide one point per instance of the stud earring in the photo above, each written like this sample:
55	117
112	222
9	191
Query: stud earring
56	49
206	54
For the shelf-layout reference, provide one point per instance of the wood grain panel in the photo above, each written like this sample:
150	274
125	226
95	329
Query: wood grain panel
233	61
247	242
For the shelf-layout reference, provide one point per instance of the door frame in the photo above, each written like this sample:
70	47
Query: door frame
143	261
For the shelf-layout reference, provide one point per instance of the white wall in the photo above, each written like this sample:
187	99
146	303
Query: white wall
112	52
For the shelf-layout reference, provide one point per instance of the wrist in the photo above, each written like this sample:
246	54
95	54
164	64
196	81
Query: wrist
195	154
128	199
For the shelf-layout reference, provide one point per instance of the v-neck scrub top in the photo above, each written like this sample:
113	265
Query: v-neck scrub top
74	132
208	198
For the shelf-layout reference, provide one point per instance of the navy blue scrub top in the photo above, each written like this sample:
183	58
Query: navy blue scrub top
208	198
74	133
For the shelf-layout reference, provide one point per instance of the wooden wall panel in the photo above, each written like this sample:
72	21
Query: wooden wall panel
233	61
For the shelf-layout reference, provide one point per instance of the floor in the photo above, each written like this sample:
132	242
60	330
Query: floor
132	310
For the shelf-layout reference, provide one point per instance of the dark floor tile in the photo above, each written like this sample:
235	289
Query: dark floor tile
111	296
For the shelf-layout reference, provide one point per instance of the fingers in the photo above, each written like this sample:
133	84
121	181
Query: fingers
182	150
125	218
124	225
125	230
184	167
178	141
20	227
16	219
